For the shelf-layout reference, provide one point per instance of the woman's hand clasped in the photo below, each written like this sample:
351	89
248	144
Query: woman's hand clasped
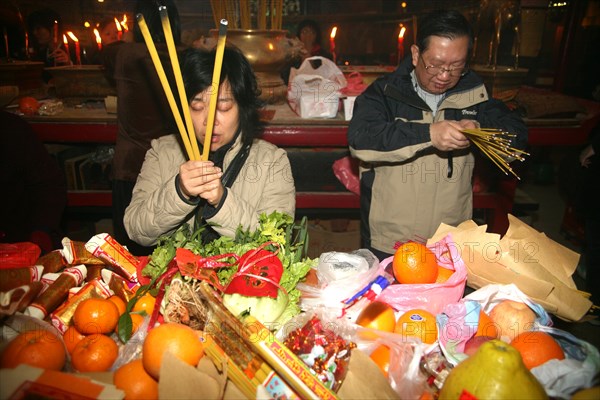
202	179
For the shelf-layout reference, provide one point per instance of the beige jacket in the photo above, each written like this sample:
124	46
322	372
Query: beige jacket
264	184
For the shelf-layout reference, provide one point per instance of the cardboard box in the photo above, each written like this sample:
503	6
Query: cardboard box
341	235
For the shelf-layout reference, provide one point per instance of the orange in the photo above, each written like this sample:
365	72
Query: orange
414	263
537	347
94	353
119	302
443	274
133	379
381	356
71	337
486	327
417	323
38	348
136	321
28	105
180	340
377	315
145	303
96	316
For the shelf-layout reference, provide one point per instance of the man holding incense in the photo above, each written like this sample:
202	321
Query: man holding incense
407	131
243	176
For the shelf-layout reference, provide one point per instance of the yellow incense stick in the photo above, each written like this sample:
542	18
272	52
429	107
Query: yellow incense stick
214	96
164	16
165	83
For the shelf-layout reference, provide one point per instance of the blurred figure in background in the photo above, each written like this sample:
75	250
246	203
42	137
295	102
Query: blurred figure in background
309	33
35	191
47	47
143	112
109	33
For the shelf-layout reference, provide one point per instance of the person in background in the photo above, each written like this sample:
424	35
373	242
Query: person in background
35	190
309	33
109	33
416	164
143	112
41	33
589	210
243	176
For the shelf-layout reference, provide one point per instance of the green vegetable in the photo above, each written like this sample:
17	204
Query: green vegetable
277	227
265	309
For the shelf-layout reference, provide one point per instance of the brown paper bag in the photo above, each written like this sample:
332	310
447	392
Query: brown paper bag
540	267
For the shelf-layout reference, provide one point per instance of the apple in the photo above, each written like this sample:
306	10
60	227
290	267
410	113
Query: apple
473	344
511	318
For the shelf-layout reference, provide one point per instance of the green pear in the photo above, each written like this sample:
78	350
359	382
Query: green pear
495	371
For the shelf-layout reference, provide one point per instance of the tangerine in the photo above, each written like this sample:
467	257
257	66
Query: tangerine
180	340
144	303
133	379
485	326
38	348
537	348
71	337
96	315
417	323
119	302
136	321
414	263
94	353
29	105
377	315
381	357
443	274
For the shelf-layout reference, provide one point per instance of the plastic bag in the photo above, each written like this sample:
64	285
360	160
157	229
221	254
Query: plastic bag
431	296
560	378
315	92
360	267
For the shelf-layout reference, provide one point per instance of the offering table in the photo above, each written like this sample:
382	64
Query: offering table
320	141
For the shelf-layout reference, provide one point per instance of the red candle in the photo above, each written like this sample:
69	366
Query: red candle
66	42
77	52
332	42
401	43
120	34
98	39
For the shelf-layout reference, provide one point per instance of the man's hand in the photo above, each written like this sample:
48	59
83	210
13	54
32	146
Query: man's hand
202	179
447	135
586	155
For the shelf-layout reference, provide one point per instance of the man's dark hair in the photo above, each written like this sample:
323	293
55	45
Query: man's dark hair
197	69
149	9
450	24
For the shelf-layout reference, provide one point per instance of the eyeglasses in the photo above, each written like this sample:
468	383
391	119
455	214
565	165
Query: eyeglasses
434	70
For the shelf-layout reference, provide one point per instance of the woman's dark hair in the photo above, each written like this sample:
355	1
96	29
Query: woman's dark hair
42	18
149	9
310	24
449	24
197	69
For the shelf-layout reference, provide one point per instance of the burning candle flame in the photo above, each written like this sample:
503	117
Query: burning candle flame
124	23
118	25
402	32
333	32
65	41
97	34
73	37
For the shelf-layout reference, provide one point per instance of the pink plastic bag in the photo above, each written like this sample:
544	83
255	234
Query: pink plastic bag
431	296
346	170
355	85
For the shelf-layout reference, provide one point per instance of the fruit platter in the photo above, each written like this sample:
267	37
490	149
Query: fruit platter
254	317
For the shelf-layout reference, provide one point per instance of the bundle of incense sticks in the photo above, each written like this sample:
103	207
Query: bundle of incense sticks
185	130
496	145
254	356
